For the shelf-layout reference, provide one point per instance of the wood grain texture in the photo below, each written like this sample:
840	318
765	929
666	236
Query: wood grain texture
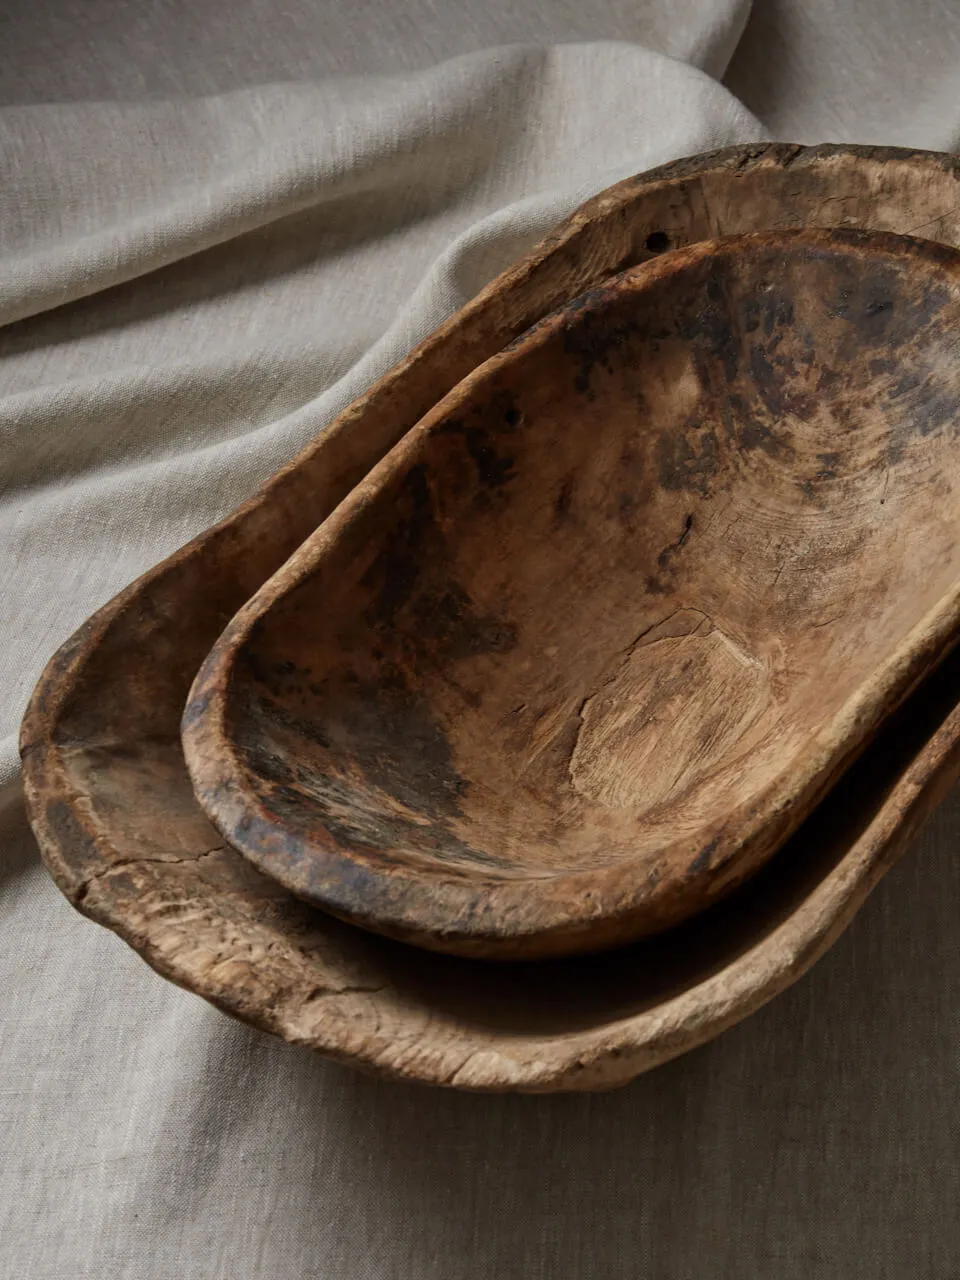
120	831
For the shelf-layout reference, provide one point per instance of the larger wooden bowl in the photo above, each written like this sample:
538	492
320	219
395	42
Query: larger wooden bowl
603	628
121	832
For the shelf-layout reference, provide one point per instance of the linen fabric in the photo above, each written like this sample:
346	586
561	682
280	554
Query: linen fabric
218	224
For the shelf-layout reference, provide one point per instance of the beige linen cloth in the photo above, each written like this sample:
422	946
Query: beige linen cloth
218	223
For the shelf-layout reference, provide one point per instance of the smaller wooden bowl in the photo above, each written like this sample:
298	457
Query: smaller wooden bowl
594	639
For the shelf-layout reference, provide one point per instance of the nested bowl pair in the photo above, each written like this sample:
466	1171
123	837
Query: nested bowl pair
620	612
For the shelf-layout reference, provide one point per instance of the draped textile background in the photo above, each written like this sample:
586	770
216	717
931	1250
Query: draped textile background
217	225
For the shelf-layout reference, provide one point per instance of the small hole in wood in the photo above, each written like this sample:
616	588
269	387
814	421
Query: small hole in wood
657	241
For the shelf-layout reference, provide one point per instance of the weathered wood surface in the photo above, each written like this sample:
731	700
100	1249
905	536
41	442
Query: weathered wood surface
122	834
602	629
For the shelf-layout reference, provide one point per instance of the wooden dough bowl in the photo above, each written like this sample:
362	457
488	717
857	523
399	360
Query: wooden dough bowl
123	836
597	635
